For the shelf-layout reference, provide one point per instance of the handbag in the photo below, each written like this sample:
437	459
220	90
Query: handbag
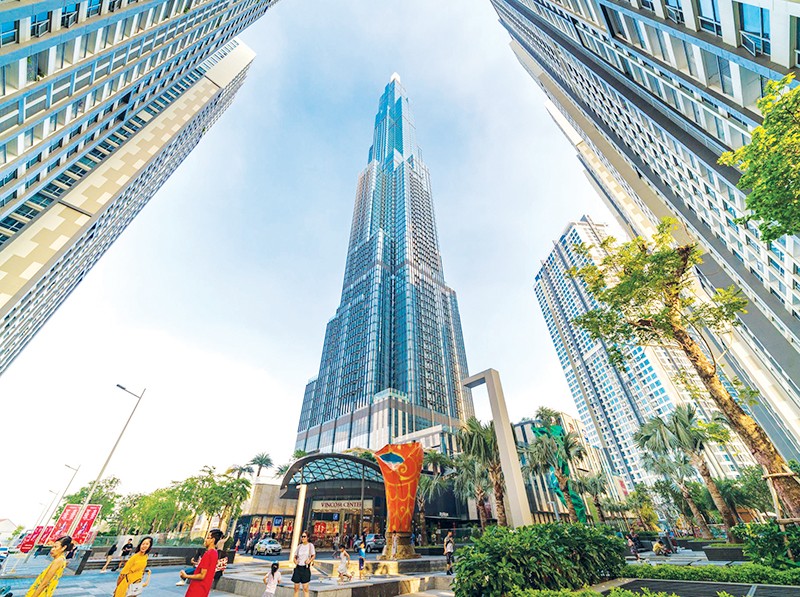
137	587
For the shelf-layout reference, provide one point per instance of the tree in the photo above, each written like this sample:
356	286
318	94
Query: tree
683	430
644	295
438	465
675	467
595	486
262	460
105	495
755	488
282	469
639	502
480	442
770	163
471	481
239	470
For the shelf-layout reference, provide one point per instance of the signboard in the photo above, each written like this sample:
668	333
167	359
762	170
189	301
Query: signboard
46	537
319	528
65	521
83	530
340	506
277	522
30	540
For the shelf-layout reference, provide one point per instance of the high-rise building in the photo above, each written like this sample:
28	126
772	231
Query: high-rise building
393	357
657	90
614	403
100	101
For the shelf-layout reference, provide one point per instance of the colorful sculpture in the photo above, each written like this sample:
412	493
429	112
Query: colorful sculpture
401	465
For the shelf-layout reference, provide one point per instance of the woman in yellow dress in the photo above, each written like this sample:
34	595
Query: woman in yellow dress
47	581
133	571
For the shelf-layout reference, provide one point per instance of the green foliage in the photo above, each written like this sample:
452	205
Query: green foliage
766	544
544	556
261	461
615	592
744	573
770	162
479	441
105	495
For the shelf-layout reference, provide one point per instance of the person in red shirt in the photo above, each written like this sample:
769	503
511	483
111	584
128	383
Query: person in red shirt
203	576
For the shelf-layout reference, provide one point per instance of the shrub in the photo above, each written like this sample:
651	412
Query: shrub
746	573
542	556
616	592
766	544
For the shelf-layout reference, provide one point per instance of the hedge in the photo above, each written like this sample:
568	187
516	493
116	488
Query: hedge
542	556
744	573
616	592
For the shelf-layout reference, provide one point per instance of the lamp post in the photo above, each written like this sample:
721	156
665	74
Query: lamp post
39	522
110	454
66	489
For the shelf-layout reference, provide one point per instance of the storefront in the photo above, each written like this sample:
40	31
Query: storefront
344	496
266	515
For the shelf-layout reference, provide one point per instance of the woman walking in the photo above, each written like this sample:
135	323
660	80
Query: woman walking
47	581
134	568
303	559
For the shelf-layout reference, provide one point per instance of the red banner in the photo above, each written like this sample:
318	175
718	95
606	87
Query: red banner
30	540
47	536
65	521
83	530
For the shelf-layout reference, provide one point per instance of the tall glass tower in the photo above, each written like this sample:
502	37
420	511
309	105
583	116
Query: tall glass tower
393	357
100	101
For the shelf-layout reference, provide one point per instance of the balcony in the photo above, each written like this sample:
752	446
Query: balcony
674	14
710	25
69	19
755	44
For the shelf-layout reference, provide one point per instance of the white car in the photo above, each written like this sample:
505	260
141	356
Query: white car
268	547
3	554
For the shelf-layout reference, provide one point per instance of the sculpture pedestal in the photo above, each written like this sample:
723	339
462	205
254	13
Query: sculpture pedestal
404	551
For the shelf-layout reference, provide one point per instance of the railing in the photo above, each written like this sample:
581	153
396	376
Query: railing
674	14
710	25
755	44
8	37
40	28
69	19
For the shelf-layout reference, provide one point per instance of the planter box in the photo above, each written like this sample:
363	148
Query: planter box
724	554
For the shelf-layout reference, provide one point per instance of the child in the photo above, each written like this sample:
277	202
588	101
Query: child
344	562
272	580
362	556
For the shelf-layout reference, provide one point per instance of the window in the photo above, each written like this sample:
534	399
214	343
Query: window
93	8
8	33
40	24
709	16
755	29
674	11
69	16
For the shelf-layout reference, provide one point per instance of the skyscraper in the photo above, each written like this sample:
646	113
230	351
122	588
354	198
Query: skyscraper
658	90
613	403
100	101
393	357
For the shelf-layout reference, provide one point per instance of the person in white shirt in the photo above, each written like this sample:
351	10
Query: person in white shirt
272	580
303	559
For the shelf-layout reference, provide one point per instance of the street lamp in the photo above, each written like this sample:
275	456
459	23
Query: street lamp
39	522
110	454
66	489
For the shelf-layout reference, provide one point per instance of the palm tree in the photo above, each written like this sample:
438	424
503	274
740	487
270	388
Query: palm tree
239	470
262	460
282	469
677	468
480	442
471	481
431	485
595	486
551	452
682	430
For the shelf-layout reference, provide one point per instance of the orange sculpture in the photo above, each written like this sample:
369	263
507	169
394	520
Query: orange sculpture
401	465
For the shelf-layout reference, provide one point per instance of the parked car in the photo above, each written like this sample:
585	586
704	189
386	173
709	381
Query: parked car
374	543
3	554
267	547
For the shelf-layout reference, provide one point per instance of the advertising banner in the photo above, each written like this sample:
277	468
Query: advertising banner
46	538
30	540
65	521
83	530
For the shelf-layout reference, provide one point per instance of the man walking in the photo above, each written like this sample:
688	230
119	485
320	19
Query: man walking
203	576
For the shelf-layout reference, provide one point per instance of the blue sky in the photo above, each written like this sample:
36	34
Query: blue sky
217	296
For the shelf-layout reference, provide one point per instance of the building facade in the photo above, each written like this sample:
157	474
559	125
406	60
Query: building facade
658	90
612	403
100	101
393	356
